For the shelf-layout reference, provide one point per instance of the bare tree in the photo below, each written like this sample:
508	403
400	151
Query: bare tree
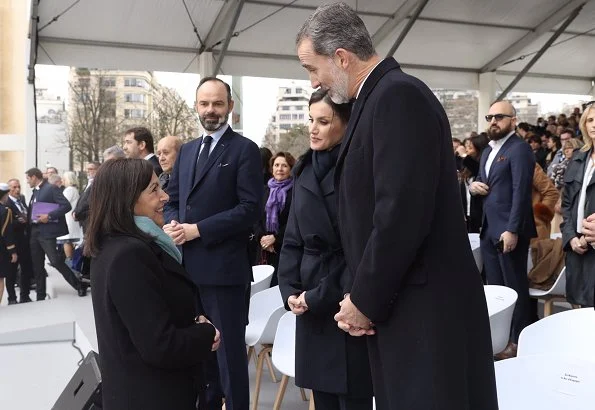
92	122
295	141
172	115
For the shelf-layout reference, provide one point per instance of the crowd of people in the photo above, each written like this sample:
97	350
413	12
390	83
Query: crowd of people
362	249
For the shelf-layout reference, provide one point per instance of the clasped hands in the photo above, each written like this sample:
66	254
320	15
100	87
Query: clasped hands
267	242
589	229
217	339
351	320
181	233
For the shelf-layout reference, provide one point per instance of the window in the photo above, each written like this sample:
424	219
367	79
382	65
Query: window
134	98
108	82
285	108
84	82
301	116
298	90
135	82
288	91
134	113
285	116
294	116
285	126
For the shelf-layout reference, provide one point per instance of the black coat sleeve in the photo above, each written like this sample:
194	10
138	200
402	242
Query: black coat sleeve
81	210
147	317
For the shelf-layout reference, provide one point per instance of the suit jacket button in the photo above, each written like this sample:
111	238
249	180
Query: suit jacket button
188	207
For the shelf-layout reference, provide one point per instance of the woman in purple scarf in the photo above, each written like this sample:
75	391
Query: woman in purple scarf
269	231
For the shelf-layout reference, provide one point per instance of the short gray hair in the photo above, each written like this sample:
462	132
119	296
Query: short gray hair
115	152
334	26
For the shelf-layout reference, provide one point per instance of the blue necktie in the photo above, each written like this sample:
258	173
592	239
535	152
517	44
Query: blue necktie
203	156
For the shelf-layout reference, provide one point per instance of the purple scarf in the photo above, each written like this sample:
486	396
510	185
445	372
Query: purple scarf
276	202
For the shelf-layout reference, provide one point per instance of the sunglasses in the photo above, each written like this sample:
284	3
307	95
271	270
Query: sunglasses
585	105
498	117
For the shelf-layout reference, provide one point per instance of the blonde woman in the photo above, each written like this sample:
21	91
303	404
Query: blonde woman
75	232
578	202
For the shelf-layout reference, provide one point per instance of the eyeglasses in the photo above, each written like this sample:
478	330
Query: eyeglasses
498	117
585	105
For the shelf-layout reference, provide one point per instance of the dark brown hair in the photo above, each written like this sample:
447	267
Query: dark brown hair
142	134
288	157
116	189
343	111
34	172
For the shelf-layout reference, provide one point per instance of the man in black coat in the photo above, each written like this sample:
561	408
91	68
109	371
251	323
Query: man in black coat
139	143
45	228
417	294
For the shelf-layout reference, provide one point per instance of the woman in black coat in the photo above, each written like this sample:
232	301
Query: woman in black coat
473	204
152	341
578	202
313	273
270	229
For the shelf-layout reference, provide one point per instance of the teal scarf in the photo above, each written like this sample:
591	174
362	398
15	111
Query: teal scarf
147	225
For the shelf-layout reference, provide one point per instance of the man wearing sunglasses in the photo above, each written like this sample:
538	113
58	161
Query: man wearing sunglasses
505	179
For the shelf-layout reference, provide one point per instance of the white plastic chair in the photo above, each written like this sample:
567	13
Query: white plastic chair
571	332
557	293
474	241
266	308
262	278
284	356
550	382
501	301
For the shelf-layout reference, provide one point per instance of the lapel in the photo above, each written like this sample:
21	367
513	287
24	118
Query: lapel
221	146
377	73
169	264
308	181
581	158
482	164
501	153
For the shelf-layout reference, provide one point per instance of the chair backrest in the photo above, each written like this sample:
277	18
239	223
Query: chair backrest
571	332
266	308
557	289
262	278
284	346
501	301
551	382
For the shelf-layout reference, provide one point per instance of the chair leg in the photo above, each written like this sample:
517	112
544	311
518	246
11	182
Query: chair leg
271	370
303	393
547	307
312	406
259	365
281	392
250	353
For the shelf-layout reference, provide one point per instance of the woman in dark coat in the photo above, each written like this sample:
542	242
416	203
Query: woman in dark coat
152	341
313	273
270	229
578	202
473	204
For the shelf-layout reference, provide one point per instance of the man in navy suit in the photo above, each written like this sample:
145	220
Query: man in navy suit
506	179
45	229
215	191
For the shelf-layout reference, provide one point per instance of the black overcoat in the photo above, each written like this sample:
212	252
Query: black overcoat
327	359
404	238
580	269
150	348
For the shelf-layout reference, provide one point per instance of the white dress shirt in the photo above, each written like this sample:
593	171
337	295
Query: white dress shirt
359	90
216	137
496	145
151	155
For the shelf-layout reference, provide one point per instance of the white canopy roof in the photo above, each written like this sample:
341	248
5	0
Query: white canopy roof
448	45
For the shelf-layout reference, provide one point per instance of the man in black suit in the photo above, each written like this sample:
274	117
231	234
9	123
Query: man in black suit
138	143
19	209
45	228
417	294
506	180
215	193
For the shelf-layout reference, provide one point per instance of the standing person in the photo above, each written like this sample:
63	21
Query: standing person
423	310
313	273
75	232
45	228
18	205
578	203
167	152
473	204
8	248
270	229
152	346
91	171
215	194
138	143
506	180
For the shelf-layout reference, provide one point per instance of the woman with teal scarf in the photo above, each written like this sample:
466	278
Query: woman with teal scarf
151	335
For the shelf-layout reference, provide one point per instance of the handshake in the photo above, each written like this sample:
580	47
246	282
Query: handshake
181	233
